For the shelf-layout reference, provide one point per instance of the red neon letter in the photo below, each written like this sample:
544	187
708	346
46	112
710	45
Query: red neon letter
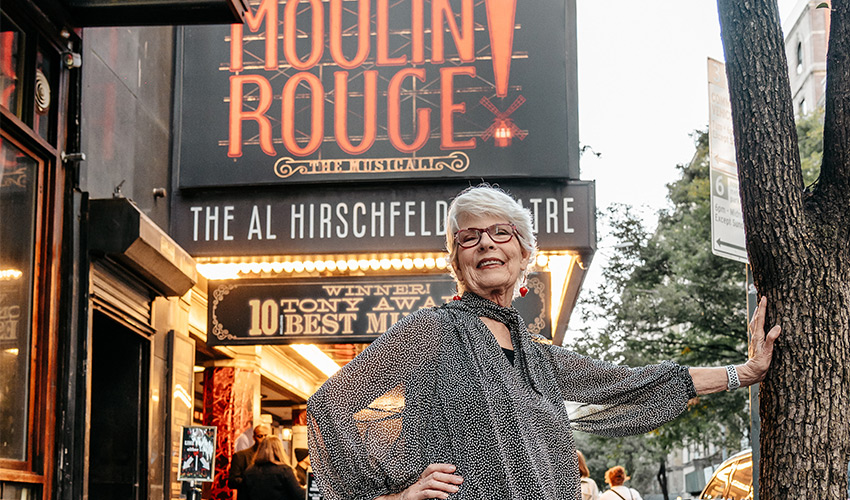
383	28
237	115
417	32
287	116
363	33
448	108
465	44
266	10
370	111
290	34
394	118
500	17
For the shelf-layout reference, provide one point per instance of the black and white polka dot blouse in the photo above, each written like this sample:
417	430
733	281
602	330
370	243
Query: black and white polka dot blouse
436	387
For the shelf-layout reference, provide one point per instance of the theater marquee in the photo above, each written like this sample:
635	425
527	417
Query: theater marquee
386	219
371	90
339	310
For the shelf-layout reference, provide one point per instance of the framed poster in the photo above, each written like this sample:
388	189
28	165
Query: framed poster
313	492
197	454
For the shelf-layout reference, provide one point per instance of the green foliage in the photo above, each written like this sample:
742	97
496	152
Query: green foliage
666	296
810	140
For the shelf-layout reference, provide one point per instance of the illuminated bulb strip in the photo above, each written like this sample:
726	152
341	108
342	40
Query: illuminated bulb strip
232	270
219	271
318	358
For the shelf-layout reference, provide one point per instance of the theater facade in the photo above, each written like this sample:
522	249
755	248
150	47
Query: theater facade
224	214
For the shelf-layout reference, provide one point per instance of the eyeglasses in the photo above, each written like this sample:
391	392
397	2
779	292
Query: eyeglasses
499	233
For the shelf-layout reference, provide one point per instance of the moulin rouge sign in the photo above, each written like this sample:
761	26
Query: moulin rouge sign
337	90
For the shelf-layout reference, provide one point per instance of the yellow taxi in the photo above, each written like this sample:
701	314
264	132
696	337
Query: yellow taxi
733	480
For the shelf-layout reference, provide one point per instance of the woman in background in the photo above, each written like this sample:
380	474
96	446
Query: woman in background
615	477
271	477
589	490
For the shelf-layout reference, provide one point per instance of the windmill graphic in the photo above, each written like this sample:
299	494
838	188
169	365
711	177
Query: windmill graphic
503	129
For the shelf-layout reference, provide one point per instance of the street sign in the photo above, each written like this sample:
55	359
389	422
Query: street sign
727	221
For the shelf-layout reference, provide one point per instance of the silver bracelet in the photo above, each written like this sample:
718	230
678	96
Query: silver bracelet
732	375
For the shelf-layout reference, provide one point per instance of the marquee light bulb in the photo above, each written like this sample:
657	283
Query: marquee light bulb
396	263
342	265
288	266
407	264
542	260
298	266
352	265
430	263
418	263
386	264
309	266
330	265
320	265
374	264
363	264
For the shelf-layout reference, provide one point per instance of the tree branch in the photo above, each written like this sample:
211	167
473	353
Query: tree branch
832	192
763	121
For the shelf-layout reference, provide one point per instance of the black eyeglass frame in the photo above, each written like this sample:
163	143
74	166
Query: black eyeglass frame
480	231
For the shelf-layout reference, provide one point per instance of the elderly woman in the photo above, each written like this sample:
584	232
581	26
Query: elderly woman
461	401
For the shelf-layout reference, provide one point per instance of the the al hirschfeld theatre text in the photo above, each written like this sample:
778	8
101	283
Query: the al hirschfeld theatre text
351	219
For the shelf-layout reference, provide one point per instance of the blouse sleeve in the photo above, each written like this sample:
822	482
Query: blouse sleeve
363	421
614	400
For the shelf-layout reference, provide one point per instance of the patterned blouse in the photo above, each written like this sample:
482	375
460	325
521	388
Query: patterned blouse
436	387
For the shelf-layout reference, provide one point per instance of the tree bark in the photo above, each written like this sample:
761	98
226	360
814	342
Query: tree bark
798	243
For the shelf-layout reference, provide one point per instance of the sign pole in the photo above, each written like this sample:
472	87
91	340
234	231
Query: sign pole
755	418
727	221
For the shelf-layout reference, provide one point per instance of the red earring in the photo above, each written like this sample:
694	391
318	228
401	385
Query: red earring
523	291
456	297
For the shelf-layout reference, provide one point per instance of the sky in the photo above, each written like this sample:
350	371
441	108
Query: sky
643	90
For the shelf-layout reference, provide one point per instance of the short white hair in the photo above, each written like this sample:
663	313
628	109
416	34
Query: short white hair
486	199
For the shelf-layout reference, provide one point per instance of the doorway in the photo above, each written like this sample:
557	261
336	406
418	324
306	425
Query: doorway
119	411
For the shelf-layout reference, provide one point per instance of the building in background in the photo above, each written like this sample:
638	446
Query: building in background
806	39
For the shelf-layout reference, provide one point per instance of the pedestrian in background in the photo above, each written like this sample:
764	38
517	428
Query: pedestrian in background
461	401
271	477
589	490
243	459
615	477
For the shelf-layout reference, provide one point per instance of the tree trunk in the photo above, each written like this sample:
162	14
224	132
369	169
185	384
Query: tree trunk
662	479
798	242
